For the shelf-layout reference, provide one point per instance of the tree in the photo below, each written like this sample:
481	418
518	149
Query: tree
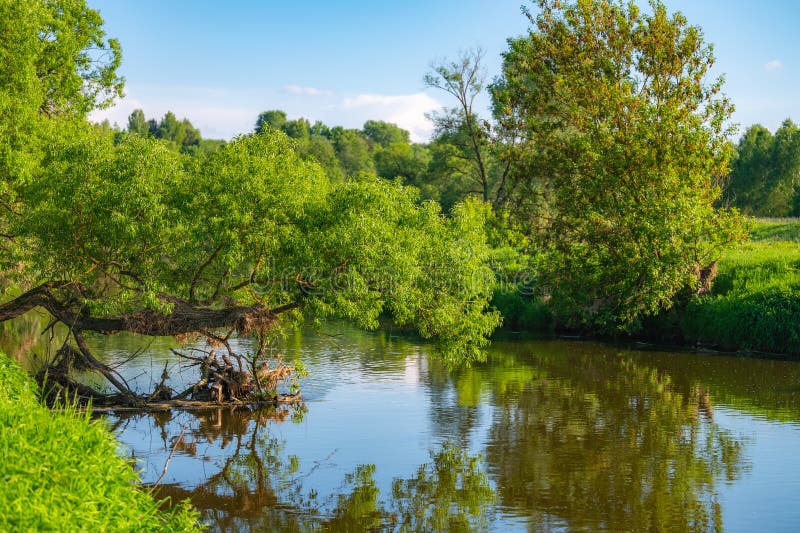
321	150
464	79
180	135
274	119
352	151
299	129
384	133
191	135
141	241
137	123
750	172
402	160
57	66
171	129
766	171
627	138
471	156
111	235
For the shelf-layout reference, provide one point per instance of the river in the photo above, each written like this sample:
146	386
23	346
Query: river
546	435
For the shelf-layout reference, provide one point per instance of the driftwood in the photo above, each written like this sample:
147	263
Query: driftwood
197	405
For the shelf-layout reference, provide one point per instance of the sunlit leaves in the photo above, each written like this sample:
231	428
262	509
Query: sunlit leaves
627	139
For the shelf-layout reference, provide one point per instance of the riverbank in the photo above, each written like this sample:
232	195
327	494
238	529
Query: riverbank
61	472
753	306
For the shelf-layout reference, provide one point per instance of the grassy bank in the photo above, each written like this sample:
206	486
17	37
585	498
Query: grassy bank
59	471
754	304
755	301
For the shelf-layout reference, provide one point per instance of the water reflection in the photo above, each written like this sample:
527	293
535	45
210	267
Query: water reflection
603	442
573	436
255	484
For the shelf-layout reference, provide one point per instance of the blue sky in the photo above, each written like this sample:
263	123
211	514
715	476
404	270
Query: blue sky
221	63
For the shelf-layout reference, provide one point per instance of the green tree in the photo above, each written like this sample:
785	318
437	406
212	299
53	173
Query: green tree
766	171
384	133
321	150
460	126
352	151
171	129
299	129
785	159
133	236
191	135
142	240
57	66
750	170
627	138
137	123
274	119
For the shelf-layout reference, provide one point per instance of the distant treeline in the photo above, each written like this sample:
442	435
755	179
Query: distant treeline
179	135
437	169
765	172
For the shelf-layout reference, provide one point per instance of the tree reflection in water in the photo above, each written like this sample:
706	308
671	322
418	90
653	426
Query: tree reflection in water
603	443
258	486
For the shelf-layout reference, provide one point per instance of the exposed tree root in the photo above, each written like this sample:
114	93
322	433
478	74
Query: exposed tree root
252	380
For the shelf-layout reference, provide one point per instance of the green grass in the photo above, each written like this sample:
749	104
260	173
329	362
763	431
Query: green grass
59	470
755	301
775	230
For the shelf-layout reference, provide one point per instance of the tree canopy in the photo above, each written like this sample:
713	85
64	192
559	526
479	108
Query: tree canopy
124	234
626	139
765	174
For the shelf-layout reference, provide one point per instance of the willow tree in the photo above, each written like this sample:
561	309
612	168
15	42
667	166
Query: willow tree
130	236
624	138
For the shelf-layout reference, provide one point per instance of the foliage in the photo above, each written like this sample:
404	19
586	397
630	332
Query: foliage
626	140
58	65
60	470
179	135
121	232
385	134
765	174
254	224
470	156
754	303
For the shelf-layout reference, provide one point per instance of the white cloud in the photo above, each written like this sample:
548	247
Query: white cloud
407	111
306	91
775	64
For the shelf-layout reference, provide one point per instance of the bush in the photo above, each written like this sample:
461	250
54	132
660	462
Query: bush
522	312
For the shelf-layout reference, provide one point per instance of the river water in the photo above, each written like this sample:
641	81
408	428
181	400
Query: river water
546	435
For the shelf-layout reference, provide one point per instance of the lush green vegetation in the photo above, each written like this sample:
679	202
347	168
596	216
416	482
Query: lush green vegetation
131	232
624	147
60	471
765	173
591	216
755	301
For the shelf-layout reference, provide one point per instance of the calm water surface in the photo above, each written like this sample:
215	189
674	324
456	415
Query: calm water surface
547	435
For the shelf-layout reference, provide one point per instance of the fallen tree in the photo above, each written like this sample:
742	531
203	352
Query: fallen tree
114	232
162	248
